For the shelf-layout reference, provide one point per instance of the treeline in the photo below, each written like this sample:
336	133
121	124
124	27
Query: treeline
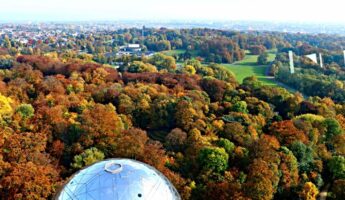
216	45
221	50
313	84
213	138
208	44
309	77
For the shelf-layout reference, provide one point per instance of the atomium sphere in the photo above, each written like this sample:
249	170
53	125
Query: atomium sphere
118	179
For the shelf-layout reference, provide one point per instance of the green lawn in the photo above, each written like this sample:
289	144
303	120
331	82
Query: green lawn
271	57
179	51
243	71
244	68
173	52
248	67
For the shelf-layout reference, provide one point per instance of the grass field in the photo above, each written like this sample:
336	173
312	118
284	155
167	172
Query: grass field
244	71
173	52
244	68
179	51
249	67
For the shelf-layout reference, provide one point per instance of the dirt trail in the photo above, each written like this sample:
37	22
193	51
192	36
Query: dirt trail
324	192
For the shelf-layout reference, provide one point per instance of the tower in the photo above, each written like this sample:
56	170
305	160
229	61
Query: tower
321	61
292	67
143	32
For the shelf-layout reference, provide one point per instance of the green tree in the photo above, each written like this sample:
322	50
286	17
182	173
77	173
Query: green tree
263	59
26	111
252	81
193	62
289	173
138	66
162	61
304	155
337	167
88	157
333	128
240	106
227	145
213	158
163	45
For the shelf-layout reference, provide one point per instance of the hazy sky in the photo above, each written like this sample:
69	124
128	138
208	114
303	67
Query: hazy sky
83	10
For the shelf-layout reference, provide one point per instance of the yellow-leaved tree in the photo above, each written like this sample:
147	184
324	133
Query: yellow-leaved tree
6	109
309	191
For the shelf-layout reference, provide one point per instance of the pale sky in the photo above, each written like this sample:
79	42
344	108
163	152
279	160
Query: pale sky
87	10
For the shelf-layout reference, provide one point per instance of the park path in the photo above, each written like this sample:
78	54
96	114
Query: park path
324	192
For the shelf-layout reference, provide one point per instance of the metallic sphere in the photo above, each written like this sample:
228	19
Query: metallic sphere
118	179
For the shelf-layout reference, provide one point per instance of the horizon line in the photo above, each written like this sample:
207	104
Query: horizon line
165	21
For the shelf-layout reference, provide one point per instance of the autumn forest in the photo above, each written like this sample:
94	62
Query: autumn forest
68	102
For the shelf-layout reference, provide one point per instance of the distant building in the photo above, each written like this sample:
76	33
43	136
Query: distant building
131	48
135	46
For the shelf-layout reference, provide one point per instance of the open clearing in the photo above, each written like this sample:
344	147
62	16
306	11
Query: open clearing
249	67
179	51
173	52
